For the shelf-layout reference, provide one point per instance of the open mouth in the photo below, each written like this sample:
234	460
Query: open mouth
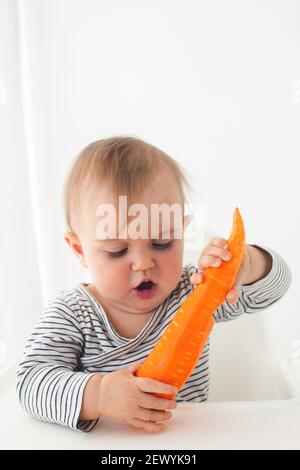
145	290
145	285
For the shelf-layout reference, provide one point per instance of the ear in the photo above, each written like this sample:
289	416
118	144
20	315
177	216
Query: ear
186	220
74	243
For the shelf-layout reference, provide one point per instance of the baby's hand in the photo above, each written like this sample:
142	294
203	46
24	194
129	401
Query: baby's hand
213	255
128	398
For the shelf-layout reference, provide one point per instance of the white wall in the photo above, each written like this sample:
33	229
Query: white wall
213	83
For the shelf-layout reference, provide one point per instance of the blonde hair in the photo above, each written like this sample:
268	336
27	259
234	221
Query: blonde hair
126	163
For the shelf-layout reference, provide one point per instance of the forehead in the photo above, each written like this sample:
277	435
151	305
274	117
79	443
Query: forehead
163	189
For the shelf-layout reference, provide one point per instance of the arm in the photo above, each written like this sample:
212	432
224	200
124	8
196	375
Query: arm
89	408
260	264
268	281
51	388
49	385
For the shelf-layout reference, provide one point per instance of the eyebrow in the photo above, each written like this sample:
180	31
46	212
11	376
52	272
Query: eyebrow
171	231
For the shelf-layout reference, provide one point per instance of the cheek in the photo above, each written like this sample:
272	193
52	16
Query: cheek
111	278
172	263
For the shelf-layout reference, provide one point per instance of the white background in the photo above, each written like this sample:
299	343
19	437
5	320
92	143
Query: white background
215	84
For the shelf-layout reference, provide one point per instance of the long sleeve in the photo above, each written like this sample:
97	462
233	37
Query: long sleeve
261	294
49	385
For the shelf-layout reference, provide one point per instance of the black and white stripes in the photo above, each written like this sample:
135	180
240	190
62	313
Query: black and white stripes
74	340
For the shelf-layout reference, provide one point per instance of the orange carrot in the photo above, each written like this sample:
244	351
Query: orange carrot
175	355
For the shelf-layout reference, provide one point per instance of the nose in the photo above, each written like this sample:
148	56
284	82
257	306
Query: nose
142	262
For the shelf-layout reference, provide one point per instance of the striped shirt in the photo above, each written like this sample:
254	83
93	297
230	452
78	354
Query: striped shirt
74	339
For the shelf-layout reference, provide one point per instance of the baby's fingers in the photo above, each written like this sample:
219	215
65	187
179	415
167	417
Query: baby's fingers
147	400
213	256
220	242
154	386
152	415
197	278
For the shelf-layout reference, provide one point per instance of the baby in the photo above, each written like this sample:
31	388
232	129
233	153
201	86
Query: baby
79	363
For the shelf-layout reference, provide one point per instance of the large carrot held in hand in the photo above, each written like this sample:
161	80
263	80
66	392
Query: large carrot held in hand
175	355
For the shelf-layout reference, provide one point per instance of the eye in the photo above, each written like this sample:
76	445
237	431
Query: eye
157	246
163	246
117	254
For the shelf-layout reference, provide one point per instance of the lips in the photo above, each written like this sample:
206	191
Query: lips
145	283
145	289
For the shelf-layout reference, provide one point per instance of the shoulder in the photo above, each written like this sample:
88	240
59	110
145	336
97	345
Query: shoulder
71	304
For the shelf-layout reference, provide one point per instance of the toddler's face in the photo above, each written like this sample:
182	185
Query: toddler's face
118	266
